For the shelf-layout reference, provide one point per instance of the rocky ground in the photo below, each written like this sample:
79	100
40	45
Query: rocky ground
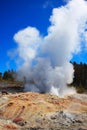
34	111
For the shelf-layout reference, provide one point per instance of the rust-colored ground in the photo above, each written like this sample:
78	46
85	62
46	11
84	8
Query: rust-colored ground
23	107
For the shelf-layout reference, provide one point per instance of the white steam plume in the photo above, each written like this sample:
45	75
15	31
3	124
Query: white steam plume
45	60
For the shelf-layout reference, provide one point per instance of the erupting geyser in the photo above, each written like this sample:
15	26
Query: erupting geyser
45	60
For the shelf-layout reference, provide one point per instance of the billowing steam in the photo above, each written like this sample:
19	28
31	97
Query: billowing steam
44	61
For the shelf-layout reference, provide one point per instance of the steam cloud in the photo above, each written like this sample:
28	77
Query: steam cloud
45	60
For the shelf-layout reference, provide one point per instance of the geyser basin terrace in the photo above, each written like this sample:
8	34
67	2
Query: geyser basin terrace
43	111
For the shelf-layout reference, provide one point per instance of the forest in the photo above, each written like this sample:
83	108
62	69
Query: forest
80	76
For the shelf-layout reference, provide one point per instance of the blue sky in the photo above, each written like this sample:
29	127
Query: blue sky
18	14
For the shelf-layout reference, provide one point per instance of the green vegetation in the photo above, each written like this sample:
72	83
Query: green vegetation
8	75
80	77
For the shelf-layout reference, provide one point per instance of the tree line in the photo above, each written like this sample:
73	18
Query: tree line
8	75
80	76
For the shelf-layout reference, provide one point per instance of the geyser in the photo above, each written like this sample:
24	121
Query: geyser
44	61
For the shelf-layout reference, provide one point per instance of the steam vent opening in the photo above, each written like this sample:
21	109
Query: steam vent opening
44	60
